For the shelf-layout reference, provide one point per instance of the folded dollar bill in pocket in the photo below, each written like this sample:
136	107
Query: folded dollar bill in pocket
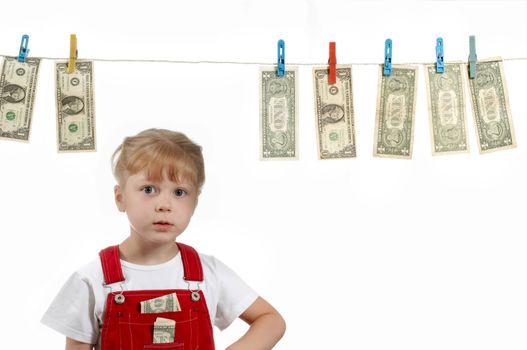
165	303
164	330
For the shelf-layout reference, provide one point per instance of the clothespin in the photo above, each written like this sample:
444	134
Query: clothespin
73	54
280	71
440	56
388	57
472	58
24	51
332	63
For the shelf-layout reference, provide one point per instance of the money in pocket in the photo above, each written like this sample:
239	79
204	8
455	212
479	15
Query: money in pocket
164	331
165	303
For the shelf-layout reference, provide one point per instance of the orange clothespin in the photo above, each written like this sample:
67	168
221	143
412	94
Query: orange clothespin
73	54
332	64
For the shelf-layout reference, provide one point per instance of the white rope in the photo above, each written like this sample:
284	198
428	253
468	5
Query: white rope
239	62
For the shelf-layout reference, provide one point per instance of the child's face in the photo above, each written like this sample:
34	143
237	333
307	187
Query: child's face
157	211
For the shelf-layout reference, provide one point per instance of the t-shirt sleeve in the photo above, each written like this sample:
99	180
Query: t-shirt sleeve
72	311
235	296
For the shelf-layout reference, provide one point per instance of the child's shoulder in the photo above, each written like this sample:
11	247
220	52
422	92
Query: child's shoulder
214	267
91	271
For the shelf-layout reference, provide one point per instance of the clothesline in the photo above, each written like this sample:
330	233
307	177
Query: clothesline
240	62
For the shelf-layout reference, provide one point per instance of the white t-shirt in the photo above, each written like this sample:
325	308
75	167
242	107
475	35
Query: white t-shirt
78	309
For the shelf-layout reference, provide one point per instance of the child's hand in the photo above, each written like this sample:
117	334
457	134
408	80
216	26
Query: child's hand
266	327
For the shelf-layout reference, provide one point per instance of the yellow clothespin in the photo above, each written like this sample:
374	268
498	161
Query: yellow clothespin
73	54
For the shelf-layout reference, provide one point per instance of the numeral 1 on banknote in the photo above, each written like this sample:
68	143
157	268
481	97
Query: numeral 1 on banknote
446	107
490	104
75	107
334	113
278	114
394	121
18	82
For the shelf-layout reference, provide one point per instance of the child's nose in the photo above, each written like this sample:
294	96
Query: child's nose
163	204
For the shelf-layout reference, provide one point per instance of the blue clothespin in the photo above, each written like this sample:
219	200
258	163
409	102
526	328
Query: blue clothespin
440	55
22	55
280	71
472	57
388	57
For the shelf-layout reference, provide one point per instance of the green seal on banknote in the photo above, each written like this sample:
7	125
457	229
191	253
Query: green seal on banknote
10	116
73	127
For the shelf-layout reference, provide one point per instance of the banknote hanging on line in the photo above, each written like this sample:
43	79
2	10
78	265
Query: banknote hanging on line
394	120
446	108
75	107
490	106
335	119
278	113
18	82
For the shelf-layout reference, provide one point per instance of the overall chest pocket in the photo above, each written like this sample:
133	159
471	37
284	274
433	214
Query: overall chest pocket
136	330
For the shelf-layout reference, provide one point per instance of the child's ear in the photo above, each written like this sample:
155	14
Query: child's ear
119	198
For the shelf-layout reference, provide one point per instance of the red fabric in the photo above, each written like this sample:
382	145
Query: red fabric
332	79
111	265
126	328
191	263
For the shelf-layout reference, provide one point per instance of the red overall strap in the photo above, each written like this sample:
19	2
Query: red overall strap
191	263
111	265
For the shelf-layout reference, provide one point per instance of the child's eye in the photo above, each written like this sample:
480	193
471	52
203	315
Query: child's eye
148	189
180	192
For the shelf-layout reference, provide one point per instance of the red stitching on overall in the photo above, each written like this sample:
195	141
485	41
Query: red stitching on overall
126	328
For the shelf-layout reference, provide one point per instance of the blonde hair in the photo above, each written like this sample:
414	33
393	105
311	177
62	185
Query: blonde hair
159	152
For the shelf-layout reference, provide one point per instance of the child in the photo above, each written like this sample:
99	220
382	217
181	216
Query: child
150	292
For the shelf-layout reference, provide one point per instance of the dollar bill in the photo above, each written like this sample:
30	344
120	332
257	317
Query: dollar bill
75	107
278	114
334	113
164	330
18	82
165	303
446	108
490	105
394	121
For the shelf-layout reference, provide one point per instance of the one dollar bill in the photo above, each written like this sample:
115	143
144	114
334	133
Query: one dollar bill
75	107
446	107
394	121
490	105
165	303
164	330
334	113
18	82
278	114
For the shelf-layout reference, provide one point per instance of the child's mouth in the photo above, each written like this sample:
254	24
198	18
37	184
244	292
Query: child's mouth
162	225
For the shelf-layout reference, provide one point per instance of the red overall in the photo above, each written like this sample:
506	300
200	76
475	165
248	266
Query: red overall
126	328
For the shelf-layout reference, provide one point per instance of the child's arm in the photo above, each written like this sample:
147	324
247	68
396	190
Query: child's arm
72	344
266	327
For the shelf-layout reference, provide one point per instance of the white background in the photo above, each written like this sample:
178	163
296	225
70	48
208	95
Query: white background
365	253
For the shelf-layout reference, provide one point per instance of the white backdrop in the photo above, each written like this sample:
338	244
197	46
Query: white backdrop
365	253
